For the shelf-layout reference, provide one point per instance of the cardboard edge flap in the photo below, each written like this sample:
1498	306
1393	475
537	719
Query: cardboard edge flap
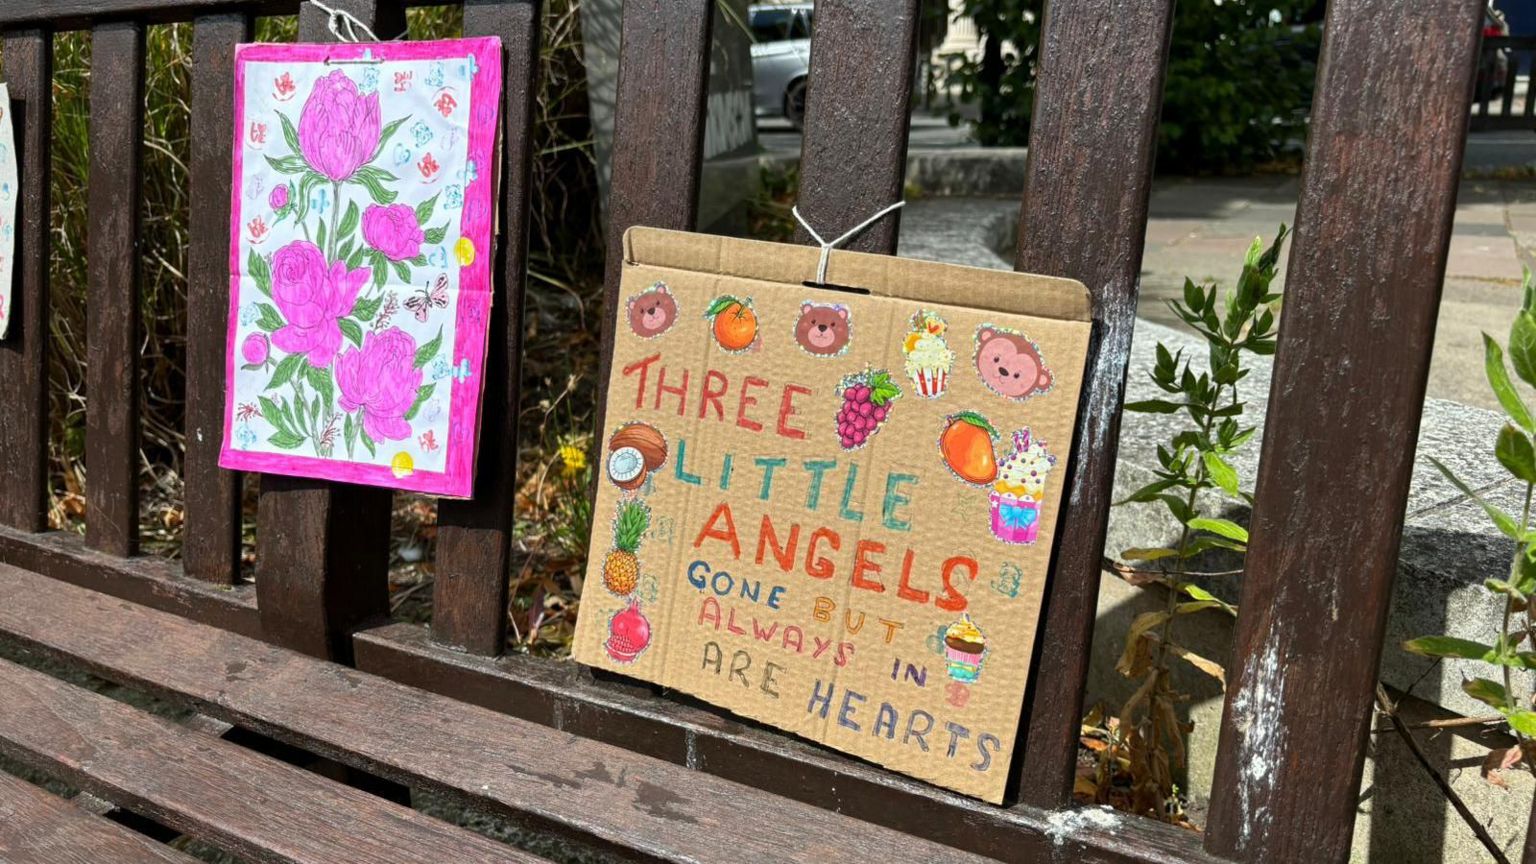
1003	291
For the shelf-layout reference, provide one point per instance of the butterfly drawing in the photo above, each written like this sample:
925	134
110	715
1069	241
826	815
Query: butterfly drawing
435	297
428	441
402	154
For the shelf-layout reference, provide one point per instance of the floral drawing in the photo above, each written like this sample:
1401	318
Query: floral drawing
333	379
360	293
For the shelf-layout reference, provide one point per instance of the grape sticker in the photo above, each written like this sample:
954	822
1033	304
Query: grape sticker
867	398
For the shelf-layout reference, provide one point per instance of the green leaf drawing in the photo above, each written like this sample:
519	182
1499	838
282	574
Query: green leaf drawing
373	179
320	235
349	435
364	309
320	380
352	330
285	370
270	319
401	271
348	222
260	271
272	413
293	164
285	440
290	134
387	133
424	210
307	187
355	260
367	441
425	353
434	236
422	396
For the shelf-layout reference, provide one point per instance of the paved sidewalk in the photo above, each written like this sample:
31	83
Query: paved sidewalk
1201	227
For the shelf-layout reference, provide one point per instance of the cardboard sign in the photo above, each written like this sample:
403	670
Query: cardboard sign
834	511
9	191
361	233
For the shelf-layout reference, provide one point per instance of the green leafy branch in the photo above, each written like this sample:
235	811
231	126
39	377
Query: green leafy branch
1197	459
1515	451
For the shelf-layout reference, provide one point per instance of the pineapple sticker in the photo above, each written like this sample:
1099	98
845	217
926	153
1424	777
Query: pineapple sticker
621	569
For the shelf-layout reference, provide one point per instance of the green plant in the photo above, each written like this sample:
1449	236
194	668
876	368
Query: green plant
1238	86
1149	738
1515	451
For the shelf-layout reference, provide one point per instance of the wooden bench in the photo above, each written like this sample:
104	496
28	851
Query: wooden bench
305	656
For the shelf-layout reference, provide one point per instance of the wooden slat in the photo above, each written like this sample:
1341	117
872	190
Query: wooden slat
474	538
322	549
1084	216
506	765
707	740
150	580
244	803
1373	227
211	536
112	275
24	352
853	159
39	828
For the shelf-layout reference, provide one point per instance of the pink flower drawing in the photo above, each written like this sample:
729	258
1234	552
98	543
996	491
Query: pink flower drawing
338	127
255	349
311	300
279	196
381	378
393	230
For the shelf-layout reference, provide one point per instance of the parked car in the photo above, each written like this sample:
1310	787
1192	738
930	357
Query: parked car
1493	64
781	60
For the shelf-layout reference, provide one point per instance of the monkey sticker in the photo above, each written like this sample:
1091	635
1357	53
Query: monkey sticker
1010	364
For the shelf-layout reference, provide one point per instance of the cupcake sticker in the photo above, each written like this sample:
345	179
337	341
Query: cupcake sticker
1020	486
928	356
965	648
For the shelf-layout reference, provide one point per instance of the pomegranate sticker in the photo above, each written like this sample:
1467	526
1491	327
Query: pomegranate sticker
629	634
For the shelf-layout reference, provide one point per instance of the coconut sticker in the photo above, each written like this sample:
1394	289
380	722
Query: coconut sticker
814	512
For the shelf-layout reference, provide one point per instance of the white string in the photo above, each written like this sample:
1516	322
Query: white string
826	247
343	24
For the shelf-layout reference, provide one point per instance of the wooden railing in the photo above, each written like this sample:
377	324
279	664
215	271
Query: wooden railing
1367	263
1501	98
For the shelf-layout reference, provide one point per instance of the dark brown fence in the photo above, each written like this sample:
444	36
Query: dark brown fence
1501	96
1372	232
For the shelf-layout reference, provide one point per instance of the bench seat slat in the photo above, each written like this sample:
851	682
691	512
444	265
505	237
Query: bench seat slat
246	803
40	828
553	778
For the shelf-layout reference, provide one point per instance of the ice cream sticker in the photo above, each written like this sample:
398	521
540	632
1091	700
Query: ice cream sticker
928	358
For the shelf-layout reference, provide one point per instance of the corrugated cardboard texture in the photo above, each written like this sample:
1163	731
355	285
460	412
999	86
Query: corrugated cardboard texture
829	591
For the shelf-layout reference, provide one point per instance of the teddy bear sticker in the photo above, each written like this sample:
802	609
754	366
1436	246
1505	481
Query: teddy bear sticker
653	311
1010	364
823	329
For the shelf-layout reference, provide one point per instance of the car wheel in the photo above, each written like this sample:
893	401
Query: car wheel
794	103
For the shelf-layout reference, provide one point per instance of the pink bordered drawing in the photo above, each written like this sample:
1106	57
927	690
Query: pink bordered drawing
361	243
